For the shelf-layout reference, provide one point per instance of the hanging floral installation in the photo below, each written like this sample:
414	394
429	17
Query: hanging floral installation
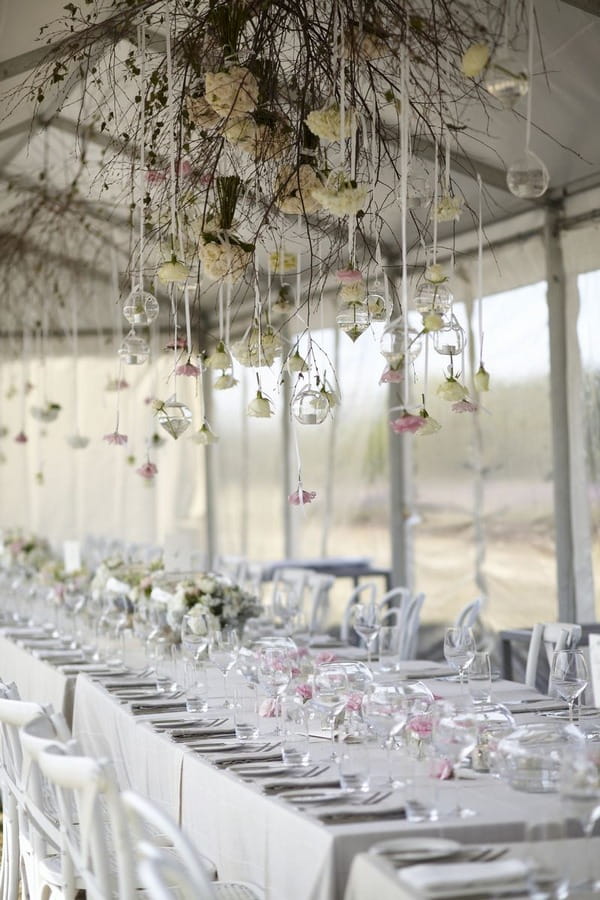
270	148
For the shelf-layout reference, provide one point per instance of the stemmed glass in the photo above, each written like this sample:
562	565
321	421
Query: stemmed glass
330	694
579	787
569	676
459	650
223	649
454	736
195	635
366	624
386	710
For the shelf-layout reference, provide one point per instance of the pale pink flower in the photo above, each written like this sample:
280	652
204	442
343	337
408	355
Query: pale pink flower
269	708
21	438
421	726
349	276
442	769
325	657
407	423
148	470
115	438
187	368
354	702
463	406
300	497
305	691
391	376
181	344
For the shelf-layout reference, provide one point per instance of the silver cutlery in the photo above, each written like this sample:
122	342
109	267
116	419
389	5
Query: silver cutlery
349	817
232	762
361	800
181	725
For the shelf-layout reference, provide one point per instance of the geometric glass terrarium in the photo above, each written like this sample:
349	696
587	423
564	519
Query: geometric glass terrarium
134	351
432	298
140	307
449	340
174	417
353	319
310	407
393	342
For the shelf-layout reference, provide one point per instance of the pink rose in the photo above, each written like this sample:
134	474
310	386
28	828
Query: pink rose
21	438
354	702
115	438
269	708
301	497
407	422
148	470
305	691
325	657
188	368
348	276
462	406
421	726
391	376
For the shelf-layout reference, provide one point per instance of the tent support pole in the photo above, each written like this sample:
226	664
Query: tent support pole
556	298
210	479
400	456
287	476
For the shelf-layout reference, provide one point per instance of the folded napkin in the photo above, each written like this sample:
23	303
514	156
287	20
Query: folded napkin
464	879
58	656
88	668
300	784
361	814
227	761
144	706
185	734
542	705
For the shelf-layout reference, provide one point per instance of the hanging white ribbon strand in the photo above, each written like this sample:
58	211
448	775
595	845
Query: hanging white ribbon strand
228	312
188	324
436	197
142	171
403	205
480	267
530	73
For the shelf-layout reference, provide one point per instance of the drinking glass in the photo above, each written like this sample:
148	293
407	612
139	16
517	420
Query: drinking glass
579	787
569	676
454	736
459	649
547	877
295	742
479	675
366	624
223	649
330	693
195	635
389	647
386	709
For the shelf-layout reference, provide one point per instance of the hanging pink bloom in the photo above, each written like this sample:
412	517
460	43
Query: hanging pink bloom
115	438
155	176
269	708
407	423
465	405
300	497
188	368
392	376
148	470
181	344
304	691
349	276
21	438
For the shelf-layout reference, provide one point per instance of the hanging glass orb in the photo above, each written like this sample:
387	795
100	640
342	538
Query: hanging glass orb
392	343
140	307
528	177
134	351
505	79
310	407
353	319
174	417
433	298
449	340
379	308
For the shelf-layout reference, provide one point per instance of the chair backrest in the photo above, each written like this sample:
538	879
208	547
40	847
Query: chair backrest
94	827
469	613
551	636
289	592
316	600
234	567
410	621
369	589
395	598
165	871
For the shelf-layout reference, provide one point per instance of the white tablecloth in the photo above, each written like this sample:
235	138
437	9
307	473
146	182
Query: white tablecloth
36	679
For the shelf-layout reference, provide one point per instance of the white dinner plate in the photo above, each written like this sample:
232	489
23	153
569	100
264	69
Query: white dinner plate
416	850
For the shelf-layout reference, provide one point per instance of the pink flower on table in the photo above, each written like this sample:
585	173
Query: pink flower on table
325	657
300	497
188	368
305	691
442	769
421	726
354	702
148	470
391	376
407	423
465	406
349	276
21	438
269	708
115	438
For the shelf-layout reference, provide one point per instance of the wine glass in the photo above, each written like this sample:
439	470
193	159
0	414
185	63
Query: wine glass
223	649
459	649
386	709
480	678
579	787
195	635
454	736
366	624
330	694
569	676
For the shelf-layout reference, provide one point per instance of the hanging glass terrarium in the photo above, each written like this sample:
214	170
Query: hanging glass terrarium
140	307
432	298
392	344
379	308
505	79
528	177
449	340
174	417
134	351
353	319
310	407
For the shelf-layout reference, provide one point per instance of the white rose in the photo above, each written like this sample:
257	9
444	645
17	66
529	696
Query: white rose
294	189
474	60
231	92
326	123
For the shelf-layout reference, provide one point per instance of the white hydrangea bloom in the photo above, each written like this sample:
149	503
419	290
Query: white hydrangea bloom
231	92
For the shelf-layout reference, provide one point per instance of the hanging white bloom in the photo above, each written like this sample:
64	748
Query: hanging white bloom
173	271
231	92
294	190
474	60
256	140
452	390
353	293
220	358
223	260
326	123
435	274
205	435
296	363
260	407
481	379
449	209
225	381
340	196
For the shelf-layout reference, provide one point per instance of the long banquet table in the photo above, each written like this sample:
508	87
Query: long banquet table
252	836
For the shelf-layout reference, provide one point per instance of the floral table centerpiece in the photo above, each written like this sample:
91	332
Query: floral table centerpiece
226	604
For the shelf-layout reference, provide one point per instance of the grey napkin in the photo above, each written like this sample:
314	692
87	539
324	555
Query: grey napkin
348	817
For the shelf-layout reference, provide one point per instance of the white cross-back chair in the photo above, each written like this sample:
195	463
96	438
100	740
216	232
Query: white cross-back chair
362	593
316	600
469	613
550	636
410	621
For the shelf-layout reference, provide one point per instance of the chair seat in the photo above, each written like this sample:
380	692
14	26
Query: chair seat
236	890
